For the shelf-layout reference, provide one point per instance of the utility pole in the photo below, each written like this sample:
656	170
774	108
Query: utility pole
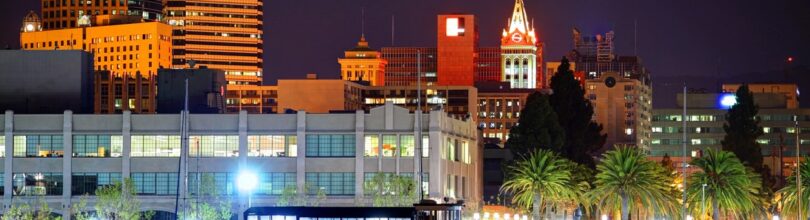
684	156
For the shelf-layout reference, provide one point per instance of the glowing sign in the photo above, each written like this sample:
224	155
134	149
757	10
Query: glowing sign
455	27
727	100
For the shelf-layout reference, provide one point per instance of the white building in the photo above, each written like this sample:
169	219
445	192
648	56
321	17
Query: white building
65	156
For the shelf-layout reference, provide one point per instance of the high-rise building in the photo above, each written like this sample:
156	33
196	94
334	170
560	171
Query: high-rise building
134	51
402	70
499	108
221	34
456	46
488	64
789	90
521	52
362	63
58	14
594	55
623	106
598	46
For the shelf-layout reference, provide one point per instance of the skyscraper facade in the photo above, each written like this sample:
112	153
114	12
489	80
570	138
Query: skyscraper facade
221	34
362	63
624	107
456	45
404	65
521	57
488	64
58	14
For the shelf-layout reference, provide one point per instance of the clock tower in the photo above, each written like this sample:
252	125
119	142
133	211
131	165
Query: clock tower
31	23
521	52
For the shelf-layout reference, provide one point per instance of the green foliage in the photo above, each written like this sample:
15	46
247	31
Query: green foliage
537	128
543	178
291	197
626	180
79	210
789	199
24	211
388	190
731	188
742	130
118	201
582	136
208	204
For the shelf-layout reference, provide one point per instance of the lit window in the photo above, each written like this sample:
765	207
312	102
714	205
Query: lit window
371	148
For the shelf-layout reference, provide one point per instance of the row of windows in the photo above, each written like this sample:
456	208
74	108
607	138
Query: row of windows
331	183
330	145
393	145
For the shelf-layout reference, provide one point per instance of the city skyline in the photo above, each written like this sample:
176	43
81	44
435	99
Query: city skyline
708	40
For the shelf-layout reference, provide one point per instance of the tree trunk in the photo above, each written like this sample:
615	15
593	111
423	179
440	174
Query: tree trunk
625	209
536	206
715	209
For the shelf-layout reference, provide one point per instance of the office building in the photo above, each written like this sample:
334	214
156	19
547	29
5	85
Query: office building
41	82
458	101
251	98
551	69
362	63
789	90
74	154
623	106
220	34
499	108
599	47
594	55
404	64
64	14
319	95
456	45
705	118
126	52
202	89
521	51
488	64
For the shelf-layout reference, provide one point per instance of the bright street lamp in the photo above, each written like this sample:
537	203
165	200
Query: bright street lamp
246	182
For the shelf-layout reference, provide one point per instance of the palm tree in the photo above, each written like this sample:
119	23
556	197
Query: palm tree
627	180
730	187
541	177
788	197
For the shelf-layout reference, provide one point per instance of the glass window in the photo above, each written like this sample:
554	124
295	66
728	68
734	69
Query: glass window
155	183
87	183
37	184
275	183
451	150
465	152
272	146
406	143
389	147
97	145
330	145
155	146
2	146
214	146
38	146
331	183
211	183
372	145
425	146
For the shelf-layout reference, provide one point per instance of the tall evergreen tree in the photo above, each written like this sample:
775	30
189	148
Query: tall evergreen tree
537	128
582	136
742	130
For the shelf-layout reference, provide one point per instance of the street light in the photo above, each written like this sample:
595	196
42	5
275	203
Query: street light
246	181
703	199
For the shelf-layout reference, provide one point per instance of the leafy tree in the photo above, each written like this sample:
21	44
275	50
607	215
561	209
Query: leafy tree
626	180
789	197
119	201
291	197
25	211
208	204
582	136
542	178
742	130
388	190
537	128
731	188
78	210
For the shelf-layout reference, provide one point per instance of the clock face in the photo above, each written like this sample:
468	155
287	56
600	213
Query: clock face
516	37
610	82
29	27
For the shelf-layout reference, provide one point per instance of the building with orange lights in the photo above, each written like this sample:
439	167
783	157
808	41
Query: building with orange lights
789	90
362	63
62	14
404	65
521	51
488	64
125	56
457	41
251	98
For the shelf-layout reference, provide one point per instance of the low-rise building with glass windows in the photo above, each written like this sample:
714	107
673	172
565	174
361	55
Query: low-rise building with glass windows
705	118
64	156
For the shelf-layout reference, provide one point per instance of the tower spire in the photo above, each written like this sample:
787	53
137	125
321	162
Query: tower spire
519	19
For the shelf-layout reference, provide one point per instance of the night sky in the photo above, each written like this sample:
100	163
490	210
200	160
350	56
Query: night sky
702	42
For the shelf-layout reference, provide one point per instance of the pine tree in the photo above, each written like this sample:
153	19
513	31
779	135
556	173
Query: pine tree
537	128
742	130
582	136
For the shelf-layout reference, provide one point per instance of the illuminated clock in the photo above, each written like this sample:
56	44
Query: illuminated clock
29	27
610	82
516	37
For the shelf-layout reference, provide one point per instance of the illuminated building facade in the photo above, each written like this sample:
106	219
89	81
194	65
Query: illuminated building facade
594	55
251	98
521	58
220	34
59	14
488	64
705	118
403	64
459	101
128	53
60	157
623	106
598	46
456	46
789	90
499	108
362	63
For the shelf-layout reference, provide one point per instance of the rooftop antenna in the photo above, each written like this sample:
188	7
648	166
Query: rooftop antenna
392	29
635	37
363	22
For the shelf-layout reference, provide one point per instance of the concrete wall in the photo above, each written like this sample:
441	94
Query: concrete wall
46	81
